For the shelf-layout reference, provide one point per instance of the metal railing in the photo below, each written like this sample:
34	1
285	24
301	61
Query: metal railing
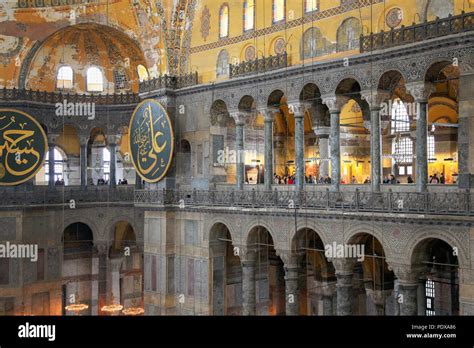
43	195
436	203
417	32
259	65
168	81
13	94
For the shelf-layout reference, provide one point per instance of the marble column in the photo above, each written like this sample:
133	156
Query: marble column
299	109
323	135
114	286
292	290
83	160
327	296
421	91
408	301
268	165
344	274
249	304
374	99
408	281
335	104
51	146
103	255
466	121
239	118
112	143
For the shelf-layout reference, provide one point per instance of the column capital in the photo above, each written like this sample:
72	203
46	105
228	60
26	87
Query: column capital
406	274
269	113
344	266
83	140
248	256
116	263
334	102
299	107
420	90
322	132
102	247
113	139
52	137
375	98
239	116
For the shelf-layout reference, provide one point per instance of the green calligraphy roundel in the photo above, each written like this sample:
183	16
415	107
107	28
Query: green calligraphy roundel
23	146
151	140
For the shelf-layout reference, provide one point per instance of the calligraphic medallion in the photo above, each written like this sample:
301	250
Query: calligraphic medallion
23	147
151	140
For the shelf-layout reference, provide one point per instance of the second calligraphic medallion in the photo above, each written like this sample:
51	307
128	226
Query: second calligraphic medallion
151	140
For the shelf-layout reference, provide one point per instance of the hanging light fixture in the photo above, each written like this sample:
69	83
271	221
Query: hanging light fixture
134	311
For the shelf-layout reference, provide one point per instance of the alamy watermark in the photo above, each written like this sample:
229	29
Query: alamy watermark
350	251
229	156
76	109
23	251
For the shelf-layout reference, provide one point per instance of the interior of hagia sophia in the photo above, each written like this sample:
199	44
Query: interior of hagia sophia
116	53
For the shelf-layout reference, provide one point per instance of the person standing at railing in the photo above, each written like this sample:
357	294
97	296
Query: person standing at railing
442	179
434	179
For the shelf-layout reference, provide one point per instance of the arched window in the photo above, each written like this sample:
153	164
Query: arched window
310	5
142	73
222	67
224	21
120	79
95	80
65	77
400	118
249	15
59	163
278	10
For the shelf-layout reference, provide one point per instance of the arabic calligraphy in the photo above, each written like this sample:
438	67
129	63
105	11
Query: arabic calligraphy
23	146
151	140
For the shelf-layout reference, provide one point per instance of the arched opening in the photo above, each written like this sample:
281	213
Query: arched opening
316	280
224	157
254	142
65	77
99	158
373	281
354	126
183	161
142	73
439	277
443	124
226	273
95	80
315	142
61	175
126	268
249	15
269	273
78	267
224	21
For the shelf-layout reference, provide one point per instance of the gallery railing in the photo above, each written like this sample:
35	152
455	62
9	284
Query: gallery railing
43	195
168	81
439	203
418	32
259	65
13	94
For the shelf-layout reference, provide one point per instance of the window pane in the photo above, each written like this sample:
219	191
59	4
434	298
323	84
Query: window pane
278	10
311	5
249	14
65	77
95	81
224	22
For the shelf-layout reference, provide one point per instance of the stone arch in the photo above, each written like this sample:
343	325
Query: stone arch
219	220
109	229
84	220
252	227
38	45
452	239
